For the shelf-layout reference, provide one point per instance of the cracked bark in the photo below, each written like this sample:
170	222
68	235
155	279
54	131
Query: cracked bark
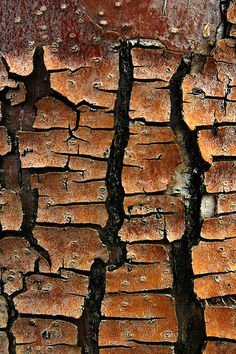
114	202
136	227
189	309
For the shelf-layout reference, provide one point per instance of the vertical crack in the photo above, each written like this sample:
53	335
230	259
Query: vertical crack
114	202
189	309
92	309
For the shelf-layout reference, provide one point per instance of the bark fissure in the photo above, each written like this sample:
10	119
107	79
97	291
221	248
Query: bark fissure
189	309
114	202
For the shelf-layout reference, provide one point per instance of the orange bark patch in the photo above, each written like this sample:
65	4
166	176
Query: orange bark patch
140	349
11	214
52	113
132	278
55	349
94	142
220	347
148	253
148	168
219	228
168	215
95	118
17	257
226	203
47	295
227	71
150	102
89	168
206	82
232	94
71	214
220	322
46	149
155	63
94	83
231	13
221	177
200	111
214	257
39	332
221	143
122	332
4	80
20	63
224	51
141	134
145	229
145	204
232	31
145	305
71	247
68	187
215	285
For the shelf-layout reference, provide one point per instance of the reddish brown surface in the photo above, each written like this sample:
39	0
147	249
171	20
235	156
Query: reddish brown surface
47	295
219	143
148	168
17	258
139	348
145	305
141	277
214	257
215	285
220	347
69	85
145	103
221	177
52	113
219	228
155	64
226	203
95	118
148	253
68	247
220	322
32	332
71	214
179	26
168	215
122	332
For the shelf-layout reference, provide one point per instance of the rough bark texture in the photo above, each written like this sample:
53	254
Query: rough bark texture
118	177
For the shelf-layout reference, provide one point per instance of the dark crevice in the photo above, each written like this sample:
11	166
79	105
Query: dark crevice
90	320
189	310
50	317
114	201
225	24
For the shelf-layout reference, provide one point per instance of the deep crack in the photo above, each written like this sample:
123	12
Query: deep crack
114	202
189	310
